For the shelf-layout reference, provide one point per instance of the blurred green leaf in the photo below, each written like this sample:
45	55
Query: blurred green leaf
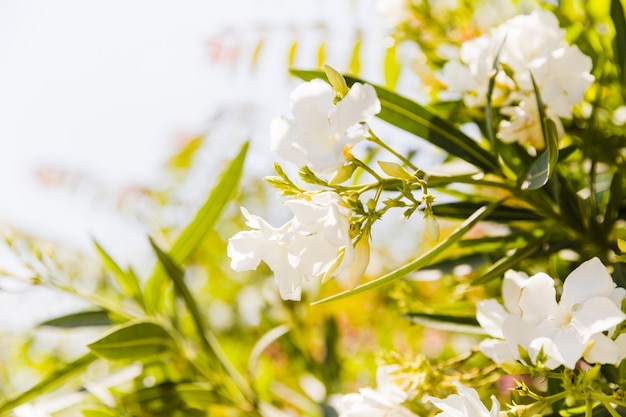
505	263
504	213
619	43
422	122
82	319
263	343
133	341
99	412
127	280
447	323
50	383
423	260
191	237
355	59
391	66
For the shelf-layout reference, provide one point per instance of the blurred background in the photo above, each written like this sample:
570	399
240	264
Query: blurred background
110	109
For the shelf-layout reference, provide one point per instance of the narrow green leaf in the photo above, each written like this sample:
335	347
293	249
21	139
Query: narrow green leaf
423	260
99	412
391	69
195	232
447	323
133	341
541	170
127	280
422	122
488	107
51	382
498	269
209	341
504	213
82	319
200	395
263	343
177	276
619	43
355	59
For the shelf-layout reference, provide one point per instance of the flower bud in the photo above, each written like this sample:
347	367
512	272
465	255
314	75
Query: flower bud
361	260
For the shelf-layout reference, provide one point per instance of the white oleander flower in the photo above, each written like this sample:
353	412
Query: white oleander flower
315	242
320	132
526	44
383	401
567	330
466	403
524	124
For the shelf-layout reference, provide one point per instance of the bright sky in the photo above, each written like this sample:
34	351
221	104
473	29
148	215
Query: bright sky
106	88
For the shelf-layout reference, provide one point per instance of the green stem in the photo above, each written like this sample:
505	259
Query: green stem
375	139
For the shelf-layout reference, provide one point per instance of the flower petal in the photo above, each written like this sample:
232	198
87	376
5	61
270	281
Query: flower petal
491	315
359	105
590	279
537	298
596	315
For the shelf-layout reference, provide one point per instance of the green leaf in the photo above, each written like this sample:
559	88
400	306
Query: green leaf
508	262
447	323
200	395
422	122
488	107
99	412
133	341
263	343
619	44
82	319
391	69
209	341
51	382
127	281
423	260
541	170
195	232
504	214
355	59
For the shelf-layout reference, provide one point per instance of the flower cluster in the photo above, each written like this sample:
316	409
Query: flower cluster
563	331
520	49
326	123
315	242
320	134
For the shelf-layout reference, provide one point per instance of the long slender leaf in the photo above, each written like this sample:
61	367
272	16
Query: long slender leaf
263	343
195	232
423	260
619	44
508	262
127	280
418	120
50	383
462	209
541	170
447	323
82	319
209	341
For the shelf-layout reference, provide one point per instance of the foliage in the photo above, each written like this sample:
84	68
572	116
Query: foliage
529	200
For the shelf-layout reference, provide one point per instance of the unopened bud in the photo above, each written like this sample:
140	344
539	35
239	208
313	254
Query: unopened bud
361	260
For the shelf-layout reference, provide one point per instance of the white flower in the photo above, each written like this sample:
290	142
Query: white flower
524	125
320	132
384	401
316	241
465	404
565	331
532	43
